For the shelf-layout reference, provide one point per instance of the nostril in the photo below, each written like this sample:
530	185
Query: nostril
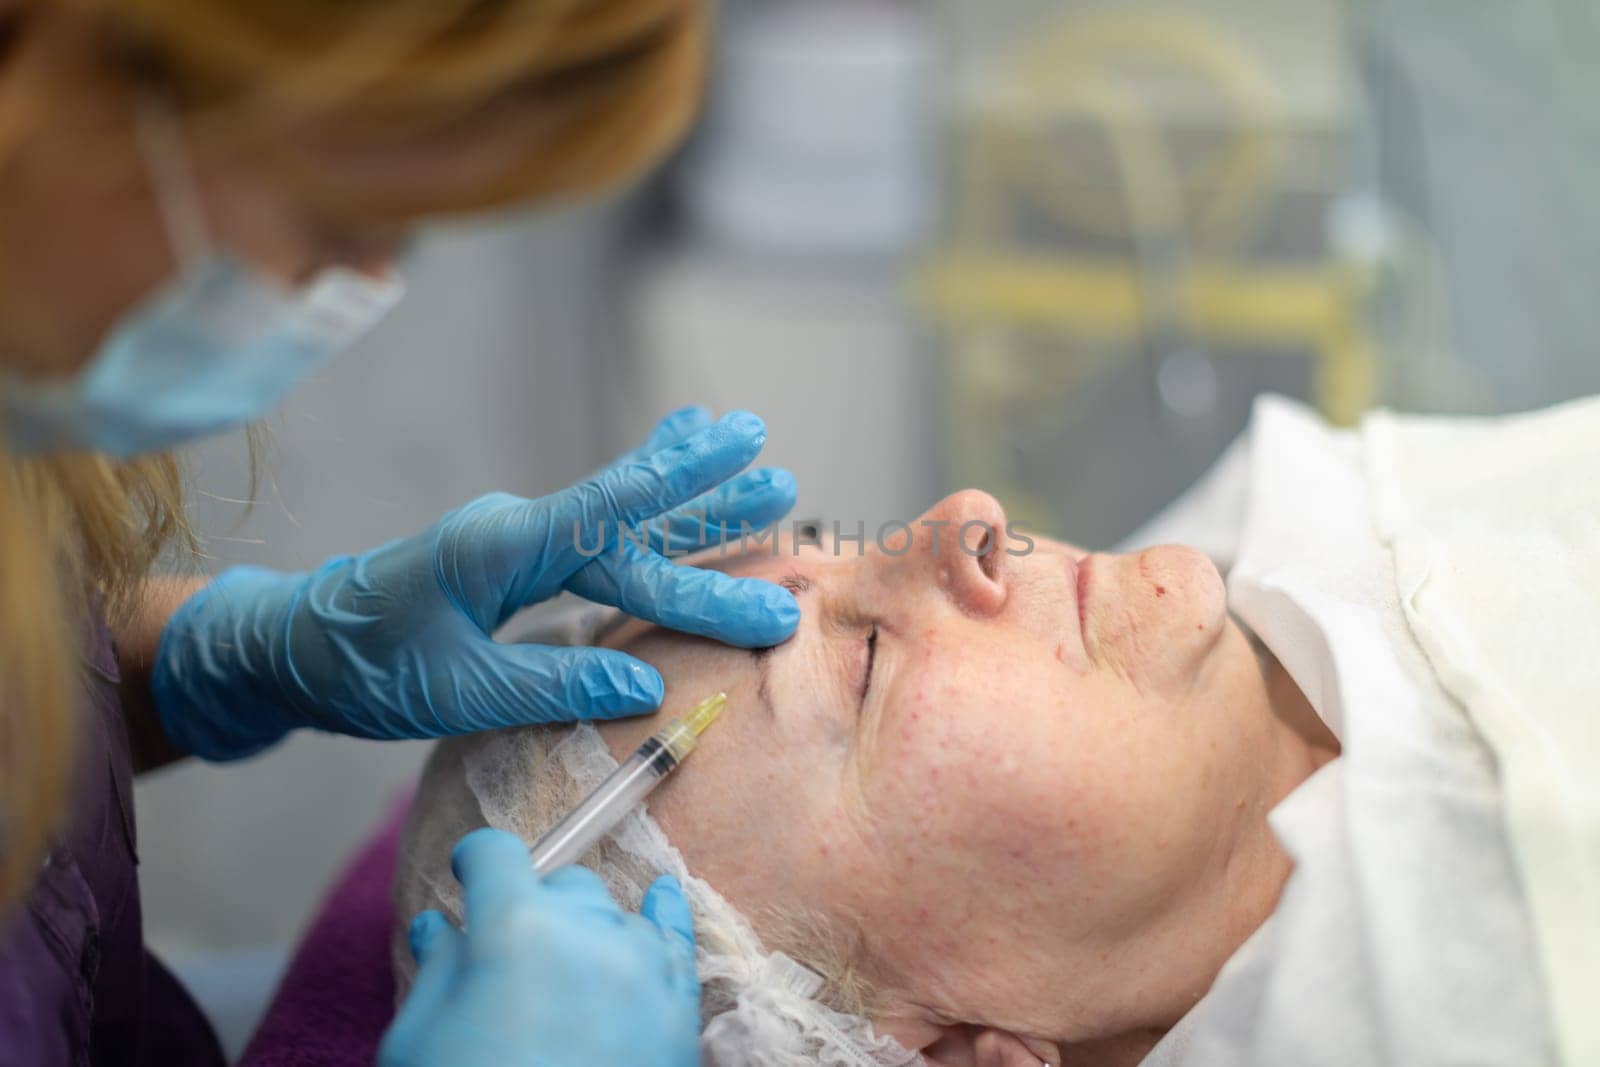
989	563
980	541
962	541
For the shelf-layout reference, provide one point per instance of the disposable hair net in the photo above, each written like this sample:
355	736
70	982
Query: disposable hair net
757	1008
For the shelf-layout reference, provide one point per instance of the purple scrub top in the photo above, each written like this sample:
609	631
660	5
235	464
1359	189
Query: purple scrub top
77	985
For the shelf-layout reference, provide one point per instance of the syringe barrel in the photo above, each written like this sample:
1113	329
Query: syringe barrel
566	842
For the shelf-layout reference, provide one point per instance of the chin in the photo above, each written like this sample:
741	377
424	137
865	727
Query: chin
1189	581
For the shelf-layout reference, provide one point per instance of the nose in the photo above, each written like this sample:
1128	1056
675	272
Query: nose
961	541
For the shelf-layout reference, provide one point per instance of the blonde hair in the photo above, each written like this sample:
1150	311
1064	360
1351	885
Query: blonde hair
77	532
616	83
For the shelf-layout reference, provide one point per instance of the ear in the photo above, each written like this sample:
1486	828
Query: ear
968	1045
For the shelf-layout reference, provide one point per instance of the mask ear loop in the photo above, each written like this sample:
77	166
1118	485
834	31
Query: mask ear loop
166	158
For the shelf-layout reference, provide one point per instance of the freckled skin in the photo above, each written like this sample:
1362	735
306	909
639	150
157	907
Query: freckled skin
1049	834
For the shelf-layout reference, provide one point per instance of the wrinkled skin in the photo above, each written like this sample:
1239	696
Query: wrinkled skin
1048	834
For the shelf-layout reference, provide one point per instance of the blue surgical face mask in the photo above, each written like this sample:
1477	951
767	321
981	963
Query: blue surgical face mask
214	349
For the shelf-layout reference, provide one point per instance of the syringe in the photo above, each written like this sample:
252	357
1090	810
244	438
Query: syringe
566	842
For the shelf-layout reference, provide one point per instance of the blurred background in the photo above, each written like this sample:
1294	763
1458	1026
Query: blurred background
1049	248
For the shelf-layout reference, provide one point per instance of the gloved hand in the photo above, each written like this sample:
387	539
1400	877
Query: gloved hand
396	642
548	974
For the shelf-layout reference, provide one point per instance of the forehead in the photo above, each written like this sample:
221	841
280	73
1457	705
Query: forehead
378	172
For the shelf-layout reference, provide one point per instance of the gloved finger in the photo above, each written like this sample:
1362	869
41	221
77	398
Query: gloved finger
755	501
579	888
745	612
438	948
674	428
666	909
518	685
431	935
518	552
497	878
639	491
752	501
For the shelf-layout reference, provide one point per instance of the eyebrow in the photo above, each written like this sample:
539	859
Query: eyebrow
796	583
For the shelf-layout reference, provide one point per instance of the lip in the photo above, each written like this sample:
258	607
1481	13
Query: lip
1077	580
1080	587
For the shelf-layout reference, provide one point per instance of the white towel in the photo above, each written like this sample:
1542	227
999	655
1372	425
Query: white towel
1495	527
1402	936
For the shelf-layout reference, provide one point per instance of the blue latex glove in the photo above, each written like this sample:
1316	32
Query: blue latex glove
548	974
396	642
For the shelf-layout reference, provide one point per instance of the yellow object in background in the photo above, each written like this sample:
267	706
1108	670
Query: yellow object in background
1135	211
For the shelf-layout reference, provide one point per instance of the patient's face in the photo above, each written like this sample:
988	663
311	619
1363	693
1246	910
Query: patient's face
1030	762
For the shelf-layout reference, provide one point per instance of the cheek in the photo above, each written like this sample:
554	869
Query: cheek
749	807
1011	769
942	728
983	752
736	810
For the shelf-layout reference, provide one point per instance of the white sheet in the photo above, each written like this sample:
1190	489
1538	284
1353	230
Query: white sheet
1495	527
1402	935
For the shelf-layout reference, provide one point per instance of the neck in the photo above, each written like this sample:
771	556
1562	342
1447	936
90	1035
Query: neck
1294	745
1124	1050
1306	738
1250	867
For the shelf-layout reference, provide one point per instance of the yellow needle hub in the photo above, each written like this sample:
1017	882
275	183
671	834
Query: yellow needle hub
679	735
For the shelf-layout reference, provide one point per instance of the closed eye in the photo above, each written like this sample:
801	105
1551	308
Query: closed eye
872	656
797	584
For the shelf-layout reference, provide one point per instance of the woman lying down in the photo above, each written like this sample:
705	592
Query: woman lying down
997	809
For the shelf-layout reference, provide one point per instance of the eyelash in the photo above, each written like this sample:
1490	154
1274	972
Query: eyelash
795	582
